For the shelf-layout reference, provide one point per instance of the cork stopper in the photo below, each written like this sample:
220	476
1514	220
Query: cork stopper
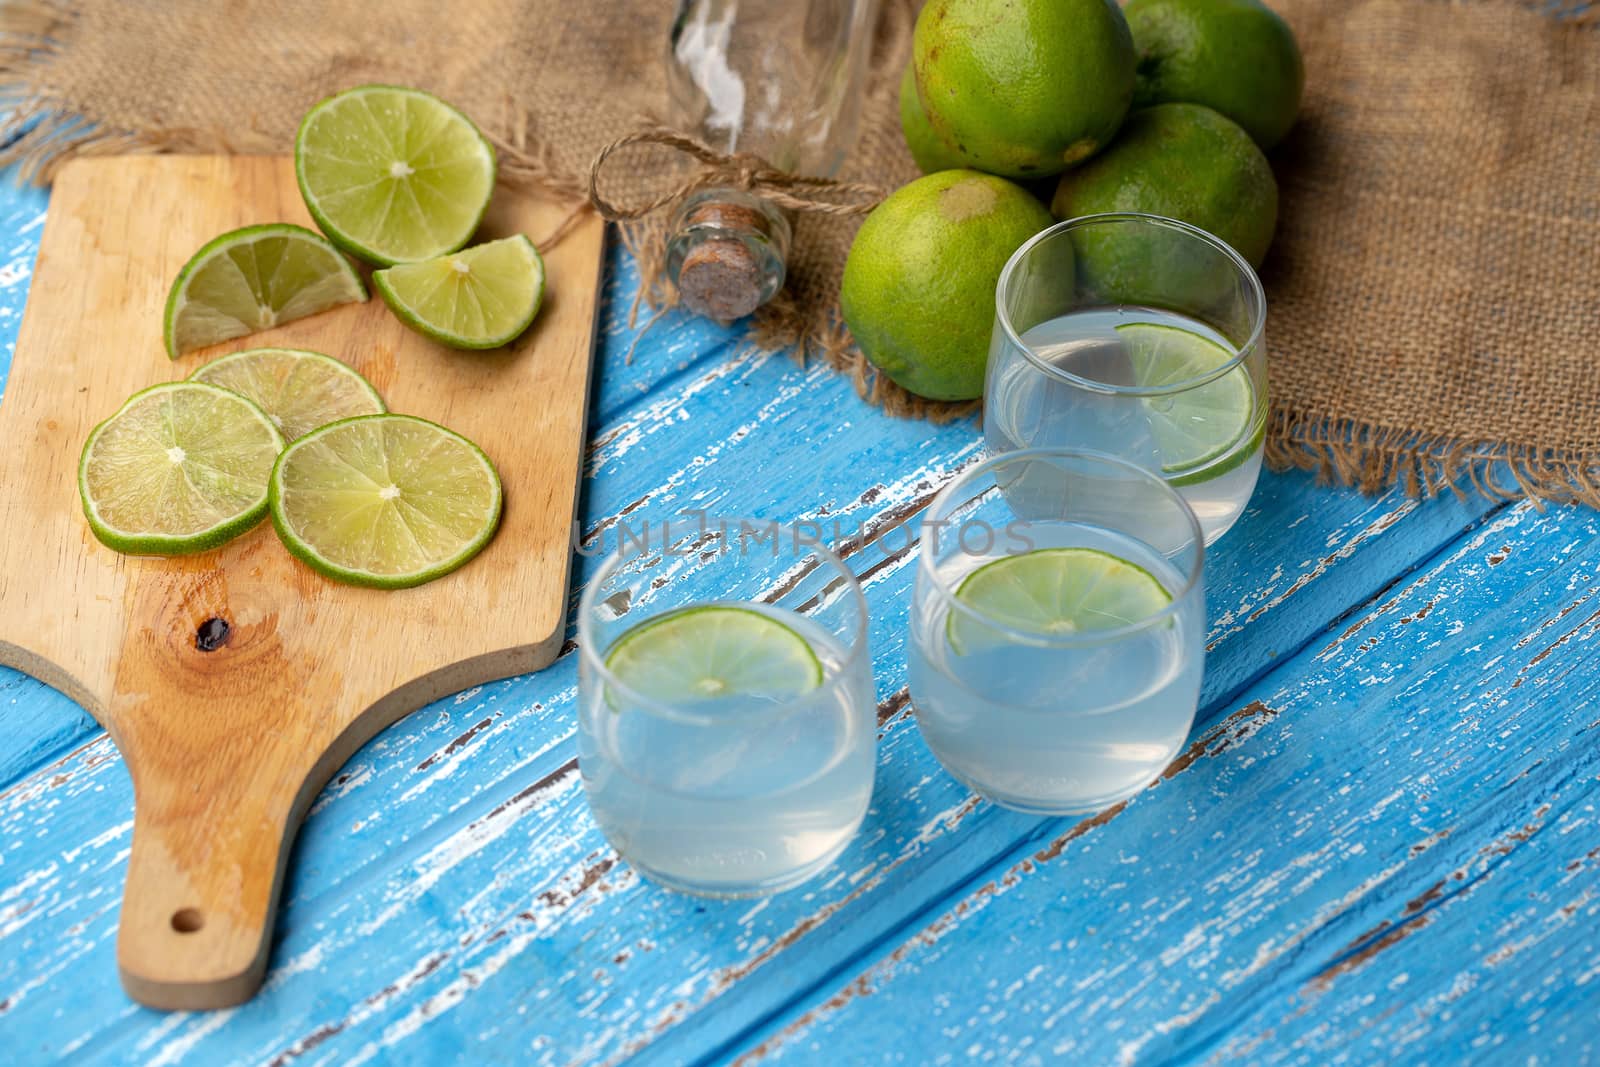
720	279
726	253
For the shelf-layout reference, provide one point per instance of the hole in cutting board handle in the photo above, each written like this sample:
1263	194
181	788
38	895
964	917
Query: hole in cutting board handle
188	920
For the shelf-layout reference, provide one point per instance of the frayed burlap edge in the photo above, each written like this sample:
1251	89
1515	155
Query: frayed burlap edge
39	132
1374	458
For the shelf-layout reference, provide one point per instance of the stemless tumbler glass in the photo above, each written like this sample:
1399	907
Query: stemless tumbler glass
1142	337
1057	631
726	718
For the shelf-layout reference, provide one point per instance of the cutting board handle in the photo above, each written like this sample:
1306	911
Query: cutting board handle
227	740
202	890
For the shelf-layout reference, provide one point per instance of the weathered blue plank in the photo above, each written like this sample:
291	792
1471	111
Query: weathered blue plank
40	725
672	346
1389	849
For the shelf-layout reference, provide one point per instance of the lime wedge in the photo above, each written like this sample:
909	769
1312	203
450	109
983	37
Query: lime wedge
180	468
1193	427
702	653
384	500
298	390
1054	592
393	175
253	279
481	297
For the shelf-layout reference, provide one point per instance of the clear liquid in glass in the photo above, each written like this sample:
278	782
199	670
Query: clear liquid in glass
751	797
1058	729
1030	409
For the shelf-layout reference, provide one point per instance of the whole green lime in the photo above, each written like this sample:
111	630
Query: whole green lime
1024	88
1235	56
1183	161
927	149
918	289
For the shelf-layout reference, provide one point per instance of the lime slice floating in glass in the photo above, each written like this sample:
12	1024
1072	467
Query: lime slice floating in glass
253	279
180	468
1197	426
703	653
481	297
393	175
298	390
1053	592
384	500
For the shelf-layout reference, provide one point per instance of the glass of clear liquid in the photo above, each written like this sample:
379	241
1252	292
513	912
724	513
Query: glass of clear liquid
1058	628
726	720
1139	336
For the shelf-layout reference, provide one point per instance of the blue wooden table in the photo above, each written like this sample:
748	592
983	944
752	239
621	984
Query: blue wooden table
1381	845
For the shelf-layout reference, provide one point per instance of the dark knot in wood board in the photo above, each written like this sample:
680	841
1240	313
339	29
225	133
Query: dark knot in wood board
212	634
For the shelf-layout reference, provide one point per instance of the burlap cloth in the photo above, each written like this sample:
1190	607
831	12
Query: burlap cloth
1434	290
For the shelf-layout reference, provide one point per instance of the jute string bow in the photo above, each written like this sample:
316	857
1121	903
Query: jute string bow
738	170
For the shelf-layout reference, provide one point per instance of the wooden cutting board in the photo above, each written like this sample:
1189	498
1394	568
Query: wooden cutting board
228	748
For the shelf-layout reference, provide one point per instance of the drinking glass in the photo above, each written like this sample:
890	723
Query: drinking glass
726	719
1058	627
1142	337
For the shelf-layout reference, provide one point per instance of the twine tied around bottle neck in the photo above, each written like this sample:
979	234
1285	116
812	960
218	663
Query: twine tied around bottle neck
739	170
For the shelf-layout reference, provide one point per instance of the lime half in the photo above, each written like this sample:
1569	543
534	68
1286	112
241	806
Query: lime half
253	279
1054	592
1196	426
393	175
298	390
481	297
180	468
702	653
384	500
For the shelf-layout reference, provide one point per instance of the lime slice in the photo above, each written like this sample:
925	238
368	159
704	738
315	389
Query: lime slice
180	468
1054	592
253	279
703	653
481	297
393	175
1196	426
298	390
384	500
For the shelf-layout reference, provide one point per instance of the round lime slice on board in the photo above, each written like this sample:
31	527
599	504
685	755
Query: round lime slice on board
1054	592
703	653
254	279
480	297
384	500
299	390
1196	426
180	468
393	175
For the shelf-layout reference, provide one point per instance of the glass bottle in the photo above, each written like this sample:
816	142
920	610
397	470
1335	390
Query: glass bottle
780	79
